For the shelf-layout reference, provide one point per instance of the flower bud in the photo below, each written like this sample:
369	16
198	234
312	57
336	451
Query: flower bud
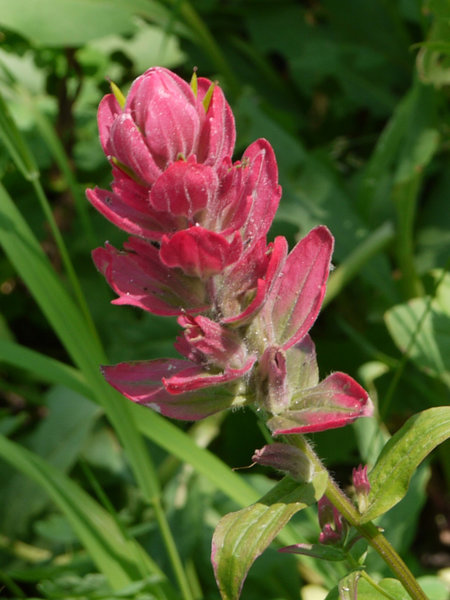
289	459
362	487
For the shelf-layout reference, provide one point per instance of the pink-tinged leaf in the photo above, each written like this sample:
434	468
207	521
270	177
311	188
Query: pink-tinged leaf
140	279
165	109
218	134
185	188
240	537
200	252
127	217
129	147
335	402
108	110
262	186
298	292
141	382
196	378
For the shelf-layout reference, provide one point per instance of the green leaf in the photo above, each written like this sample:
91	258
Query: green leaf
322	551
348	586
401	456
68	22
354	586
421	328
58	439
121	559
240	537
43	367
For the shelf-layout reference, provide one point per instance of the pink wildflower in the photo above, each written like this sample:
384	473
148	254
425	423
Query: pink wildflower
201	253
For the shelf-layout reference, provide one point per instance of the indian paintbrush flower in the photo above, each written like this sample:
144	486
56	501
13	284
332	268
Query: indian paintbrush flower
198	250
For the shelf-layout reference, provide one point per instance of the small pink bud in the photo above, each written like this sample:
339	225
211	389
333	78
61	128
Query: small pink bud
362	487
334	528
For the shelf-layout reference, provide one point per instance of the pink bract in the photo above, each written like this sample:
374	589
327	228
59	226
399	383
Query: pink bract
163	119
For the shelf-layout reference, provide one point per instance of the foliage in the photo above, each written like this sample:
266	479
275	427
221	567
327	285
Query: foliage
103	499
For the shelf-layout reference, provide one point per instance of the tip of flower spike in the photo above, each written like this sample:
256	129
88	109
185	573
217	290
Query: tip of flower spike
117	93
194	82
208	96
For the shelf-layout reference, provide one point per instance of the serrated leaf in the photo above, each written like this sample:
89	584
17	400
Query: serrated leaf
242	536
401	456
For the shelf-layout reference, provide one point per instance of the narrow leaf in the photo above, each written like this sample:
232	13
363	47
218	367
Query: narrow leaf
121	559
242	536
321	551
43	367
401	456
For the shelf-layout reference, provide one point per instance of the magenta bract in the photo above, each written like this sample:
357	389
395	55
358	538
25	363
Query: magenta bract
298	290
140	279
142	382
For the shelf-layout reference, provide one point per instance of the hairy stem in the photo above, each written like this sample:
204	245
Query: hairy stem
372	534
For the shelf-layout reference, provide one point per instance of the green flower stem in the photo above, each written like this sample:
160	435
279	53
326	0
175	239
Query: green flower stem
171	549
405	195
372	534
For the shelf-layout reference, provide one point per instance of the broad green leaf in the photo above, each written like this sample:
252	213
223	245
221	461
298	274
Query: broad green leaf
421	328
348	586
401	456
43	367
354	586
68	22
121	559
240	537
435	587
58	439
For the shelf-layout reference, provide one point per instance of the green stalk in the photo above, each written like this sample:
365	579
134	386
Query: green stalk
68	266
405	196
372	534
56	148
354	263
